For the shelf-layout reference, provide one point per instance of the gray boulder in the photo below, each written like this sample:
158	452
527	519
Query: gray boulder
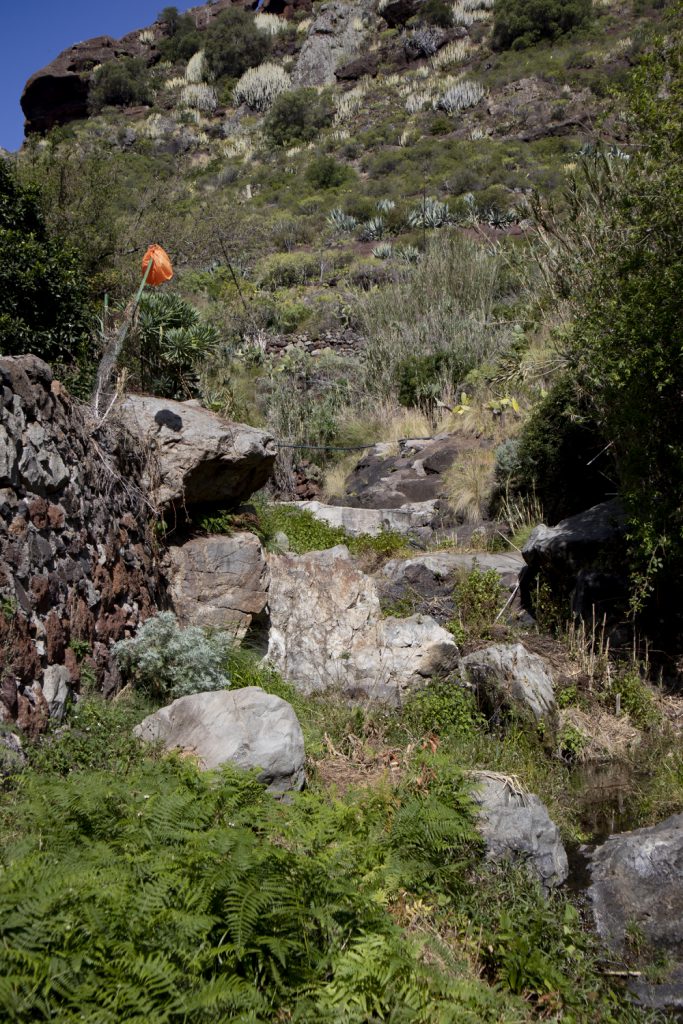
12	756
200	458
56	687
516	826
248	727
219	582
637	880
327	632
508	678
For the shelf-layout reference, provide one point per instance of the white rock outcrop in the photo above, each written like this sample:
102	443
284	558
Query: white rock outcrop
327	632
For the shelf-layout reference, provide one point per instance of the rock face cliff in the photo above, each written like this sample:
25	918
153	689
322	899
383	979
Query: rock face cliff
77	559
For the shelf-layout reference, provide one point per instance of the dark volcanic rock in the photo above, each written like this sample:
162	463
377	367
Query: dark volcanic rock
386	479
76	564
59	92
583	558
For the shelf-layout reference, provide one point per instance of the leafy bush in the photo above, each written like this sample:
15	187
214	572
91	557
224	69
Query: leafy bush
298	116
478	599
623	272
165	661
520	23
120	83
43	302
561	455
285	269
181	39
422	379
444	708
168	343
259	87
325	172
437	12
234	44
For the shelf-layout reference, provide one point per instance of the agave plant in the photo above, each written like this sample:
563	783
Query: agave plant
383	251
386	205
431	213
341	221
373	230
409	254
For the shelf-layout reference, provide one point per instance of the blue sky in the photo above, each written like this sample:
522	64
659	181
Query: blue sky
35	31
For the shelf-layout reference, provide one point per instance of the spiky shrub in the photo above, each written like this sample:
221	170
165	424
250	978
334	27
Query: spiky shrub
431	213
386	205
340	221
383	251
373	229
165	661
259	87
163	352
271	24
199	96
196	70
408	254
443	304
460	96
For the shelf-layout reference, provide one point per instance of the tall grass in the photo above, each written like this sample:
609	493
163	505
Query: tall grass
444	304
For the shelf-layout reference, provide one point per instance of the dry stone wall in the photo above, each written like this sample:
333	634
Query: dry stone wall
77	559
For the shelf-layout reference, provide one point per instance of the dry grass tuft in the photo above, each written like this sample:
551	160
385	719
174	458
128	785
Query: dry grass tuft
470	482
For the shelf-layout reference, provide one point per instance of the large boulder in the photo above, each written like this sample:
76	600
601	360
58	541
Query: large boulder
219	582
199	458
516	826
582	558
249	728
327	632
637	882
510	679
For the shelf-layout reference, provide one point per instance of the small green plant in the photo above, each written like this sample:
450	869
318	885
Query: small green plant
636	698
80	648
163	660
478	597
8	608
571	743
445	708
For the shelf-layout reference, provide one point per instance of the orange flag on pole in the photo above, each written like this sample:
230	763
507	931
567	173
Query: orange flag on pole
161	269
